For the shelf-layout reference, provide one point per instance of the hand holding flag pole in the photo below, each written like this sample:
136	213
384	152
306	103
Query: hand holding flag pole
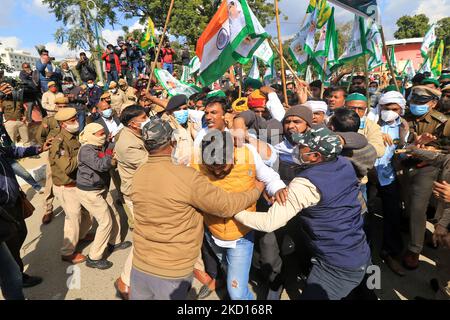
160	43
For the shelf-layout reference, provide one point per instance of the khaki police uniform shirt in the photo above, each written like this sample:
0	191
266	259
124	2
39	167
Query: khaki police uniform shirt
49	128
63	158
434	123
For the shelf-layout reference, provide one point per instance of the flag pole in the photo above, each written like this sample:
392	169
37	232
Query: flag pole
387	58
351	78
322	87
160	44
366	70
280	45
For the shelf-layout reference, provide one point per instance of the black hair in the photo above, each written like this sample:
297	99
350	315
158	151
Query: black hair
82	53
418	78
342	89
357	90
42	51
223	101
372	82
363	78
129	113
110	46
217	148
68	79
345	120
316	84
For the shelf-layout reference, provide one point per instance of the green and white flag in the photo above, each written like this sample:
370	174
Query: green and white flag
297	47
426	66
254	70
374	46
409	71
436	65
186	74
173	85
327	32
308	76
428	41
393	59
265	53
194	65
269	74
357	44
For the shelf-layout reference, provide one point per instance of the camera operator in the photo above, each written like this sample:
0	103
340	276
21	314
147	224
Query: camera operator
85	68
47	72
124	53
113	68
11	101
136	58
32	93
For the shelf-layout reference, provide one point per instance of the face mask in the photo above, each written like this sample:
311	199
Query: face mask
362	124
107	113
419	110
98	141
67	86
372	90
53	89
73	128
389	115
144	123
181	116
90	85
113	91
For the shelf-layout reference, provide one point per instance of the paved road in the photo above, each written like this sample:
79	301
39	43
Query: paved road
42	257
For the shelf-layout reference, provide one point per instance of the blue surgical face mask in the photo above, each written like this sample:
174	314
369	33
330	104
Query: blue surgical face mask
372	90
107	113
362	123
419	109
181	116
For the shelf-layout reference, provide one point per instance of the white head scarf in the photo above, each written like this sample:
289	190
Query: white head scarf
393	97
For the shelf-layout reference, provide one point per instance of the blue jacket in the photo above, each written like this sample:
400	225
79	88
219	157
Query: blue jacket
335	225
9	187
94	95
47	67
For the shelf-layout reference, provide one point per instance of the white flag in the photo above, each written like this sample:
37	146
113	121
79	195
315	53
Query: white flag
357	45
374	45
297	47
194	65
265	53
172	84
428	41
254	70
409	70
269	74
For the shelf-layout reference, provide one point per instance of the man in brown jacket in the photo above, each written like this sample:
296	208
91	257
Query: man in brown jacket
169	201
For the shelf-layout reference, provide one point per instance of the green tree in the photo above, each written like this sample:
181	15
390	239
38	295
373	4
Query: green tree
412	26
78	26
189	18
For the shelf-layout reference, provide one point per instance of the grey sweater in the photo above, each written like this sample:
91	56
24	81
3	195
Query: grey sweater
93	168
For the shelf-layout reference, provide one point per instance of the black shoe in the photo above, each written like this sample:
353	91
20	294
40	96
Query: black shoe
434	283
274	294
119	246
30	281
101	264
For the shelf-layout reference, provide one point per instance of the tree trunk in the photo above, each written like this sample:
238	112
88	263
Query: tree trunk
95	54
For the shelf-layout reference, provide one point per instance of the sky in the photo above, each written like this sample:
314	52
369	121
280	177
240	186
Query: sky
26	23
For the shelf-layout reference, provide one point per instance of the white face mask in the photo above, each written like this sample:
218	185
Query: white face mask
73	128
90	85
113	91
389	115
144	123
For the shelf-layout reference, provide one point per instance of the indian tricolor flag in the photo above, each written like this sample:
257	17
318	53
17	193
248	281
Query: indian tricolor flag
233	35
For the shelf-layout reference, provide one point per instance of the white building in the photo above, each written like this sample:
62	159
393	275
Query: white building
15	58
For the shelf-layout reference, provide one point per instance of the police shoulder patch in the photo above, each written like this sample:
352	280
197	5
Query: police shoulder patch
438	116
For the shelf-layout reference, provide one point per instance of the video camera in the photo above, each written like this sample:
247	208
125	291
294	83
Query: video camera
19	91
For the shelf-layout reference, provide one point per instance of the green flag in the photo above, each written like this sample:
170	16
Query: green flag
357	44
436	66
393	60
148	38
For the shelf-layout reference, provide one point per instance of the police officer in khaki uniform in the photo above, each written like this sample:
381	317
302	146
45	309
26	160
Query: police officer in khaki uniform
14	118
63	161
118	98
444	103
48	129
419	177
129	92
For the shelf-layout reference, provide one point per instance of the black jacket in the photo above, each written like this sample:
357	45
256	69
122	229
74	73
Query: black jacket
86	70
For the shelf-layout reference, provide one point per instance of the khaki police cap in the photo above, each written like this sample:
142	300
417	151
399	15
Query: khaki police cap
83	86
122	82
105	95
61	100
65	114
424	91
112	85
51	83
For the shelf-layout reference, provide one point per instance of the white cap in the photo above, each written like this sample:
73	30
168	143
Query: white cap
317	106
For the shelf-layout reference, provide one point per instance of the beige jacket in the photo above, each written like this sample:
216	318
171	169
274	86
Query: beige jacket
372	132
118	99
130	154
168	203
48	101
